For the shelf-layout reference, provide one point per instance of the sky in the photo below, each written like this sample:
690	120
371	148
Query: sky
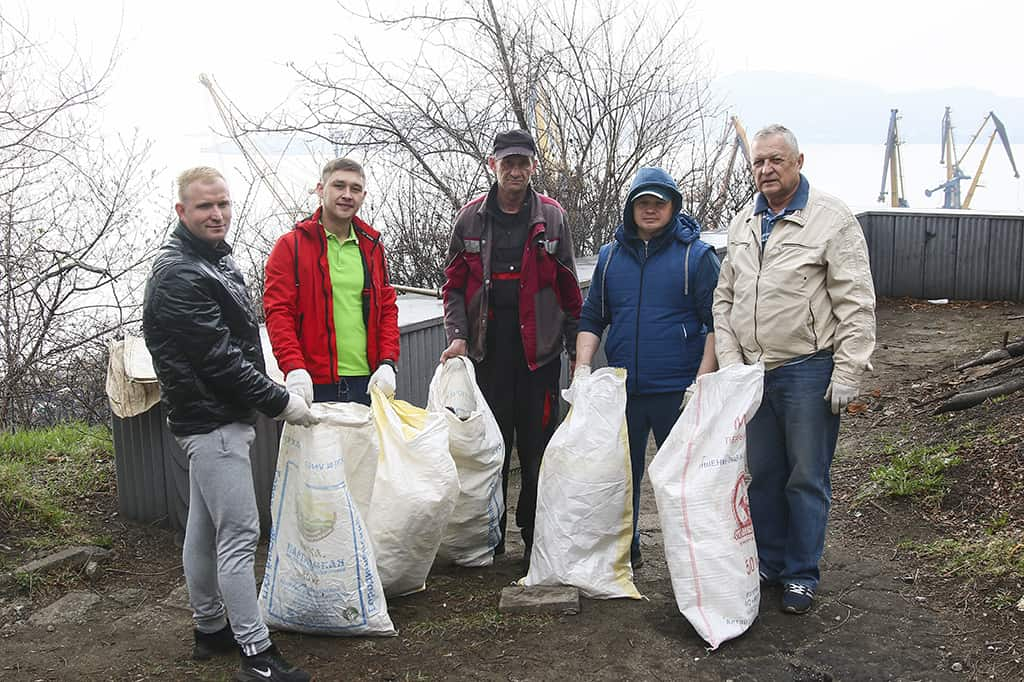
163	47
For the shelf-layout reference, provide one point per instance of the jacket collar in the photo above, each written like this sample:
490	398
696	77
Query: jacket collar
682	228
532	203
797	203
311	225
204	249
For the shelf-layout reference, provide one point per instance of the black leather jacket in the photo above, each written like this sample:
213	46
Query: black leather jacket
203	335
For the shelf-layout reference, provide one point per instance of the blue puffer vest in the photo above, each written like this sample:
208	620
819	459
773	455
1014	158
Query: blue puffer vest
647	296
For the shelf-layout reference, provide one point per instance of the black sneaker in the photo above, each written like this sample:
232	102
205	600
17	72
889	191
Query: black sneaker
797	598
206	645
268	665
637	560
765	580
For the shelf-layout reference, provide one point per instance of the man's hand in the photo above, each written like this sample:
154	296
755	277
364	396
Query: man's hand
687	394
298	381
840	395
384	379
455	349
297	412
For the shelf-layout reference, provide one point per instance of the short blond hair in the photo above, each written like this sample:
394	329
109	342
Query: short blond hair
197	174
341	164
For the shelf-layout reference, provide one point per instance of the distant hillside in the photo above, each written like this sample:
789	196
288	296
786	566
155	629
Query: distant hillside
824	110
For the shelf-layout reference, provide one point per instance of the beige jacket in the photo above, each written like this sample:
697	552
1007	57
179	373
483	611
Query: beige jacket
810	290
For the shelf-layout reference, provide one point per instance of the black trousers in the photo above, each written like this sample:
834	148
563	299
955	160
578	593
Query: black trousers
525	404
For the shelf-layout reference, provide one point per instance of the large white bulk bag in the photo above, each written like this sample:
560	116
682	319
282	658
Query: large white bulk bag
321	574
700	484
414	494
584	522
478	450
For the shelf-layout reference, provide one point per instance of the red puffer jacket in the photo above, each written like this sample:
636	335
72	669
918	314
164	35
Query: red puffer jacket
298	303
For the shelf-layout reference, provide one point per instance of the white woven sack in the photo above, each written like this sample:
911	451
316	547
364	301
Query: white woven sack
321	574
478	450
414	495
584	522
700	484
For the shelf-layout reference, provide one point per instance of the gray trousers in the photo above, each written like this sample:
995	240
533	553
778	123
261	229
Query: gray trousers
221	534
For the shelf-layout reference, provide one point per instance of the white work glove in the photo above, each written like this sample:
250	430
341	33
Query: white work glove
384	379
581	372
687	394
840	395
297	412
298	381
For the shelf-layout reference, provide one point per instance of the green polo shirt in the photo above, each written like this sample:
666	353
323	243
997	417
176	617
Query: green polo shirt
346	267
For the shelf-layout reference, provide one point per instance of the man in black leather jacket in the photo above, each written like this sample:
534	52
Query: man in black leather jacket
203	335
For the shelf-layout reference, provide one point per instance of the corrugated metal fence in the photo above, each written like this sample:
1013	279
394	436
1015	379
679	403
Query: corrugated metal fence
152	470
940	254
946	254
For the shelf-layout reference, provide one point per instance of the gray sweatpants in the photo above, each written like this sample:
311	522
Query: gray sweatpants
221	535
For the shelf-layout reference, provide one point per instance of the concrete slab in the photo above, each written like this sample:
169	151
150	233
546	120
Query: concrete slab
72	557
178	598
71	608
560	599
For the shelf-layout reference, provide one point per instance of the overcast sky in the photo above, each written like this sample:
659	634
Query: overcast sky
895	44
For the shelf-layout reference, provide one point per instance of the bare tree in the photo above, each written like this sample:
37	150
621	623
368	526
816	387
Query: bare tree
71	240
605	88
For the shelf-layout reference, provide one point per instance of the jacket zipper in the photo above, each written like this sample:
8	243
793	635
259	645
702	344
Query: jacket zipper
636	339
331	349
369	313
757	284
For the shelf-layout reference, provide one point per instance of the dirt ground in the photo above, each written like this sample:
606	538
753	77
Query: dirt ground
885	610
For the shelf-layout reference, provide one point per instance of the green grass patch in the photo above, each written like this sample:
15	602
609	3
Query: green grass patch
1000	555
44	471
918	471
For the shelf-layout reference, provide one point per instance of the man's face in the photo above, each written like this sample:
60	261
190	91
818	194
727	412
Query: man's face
206	210
342	195
776	168
513	172
651	213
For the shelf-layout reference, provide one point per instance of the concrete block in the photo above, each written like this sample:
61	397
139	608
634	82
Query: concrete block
560	599
72	557
178	598
71	608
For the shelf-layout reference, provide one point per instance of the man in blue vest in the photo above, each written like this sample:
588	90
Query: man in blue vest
652	288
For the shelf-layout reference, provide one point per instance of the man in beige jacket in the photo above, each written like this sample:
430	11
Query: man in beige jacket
794	293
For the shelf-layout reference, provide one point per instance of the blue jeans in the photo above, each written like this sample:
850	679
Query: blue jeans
645	413
790	444
347	390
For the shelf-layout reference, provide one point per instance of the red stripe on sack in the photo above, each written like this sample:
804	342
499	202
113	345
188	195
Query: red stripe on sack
546	418
504	276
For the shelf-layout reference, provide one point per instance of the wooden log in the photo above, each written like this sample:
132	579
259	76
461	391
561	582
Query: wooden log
1011	350
962	401
975	373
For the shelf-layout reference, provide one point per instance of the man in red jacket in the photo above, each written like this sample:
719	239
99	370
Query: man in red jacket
329	303
512	304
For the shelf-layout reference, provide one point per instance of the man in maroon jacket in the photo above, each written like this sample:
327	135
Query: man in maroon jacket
512	304
330	306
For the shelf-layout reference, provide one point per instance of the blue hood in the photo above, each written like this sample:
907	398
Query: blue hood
685	228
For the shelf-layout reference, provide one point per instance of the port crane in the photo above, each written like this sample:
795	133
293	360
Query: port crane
739	144
254	159
892	168
954	173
